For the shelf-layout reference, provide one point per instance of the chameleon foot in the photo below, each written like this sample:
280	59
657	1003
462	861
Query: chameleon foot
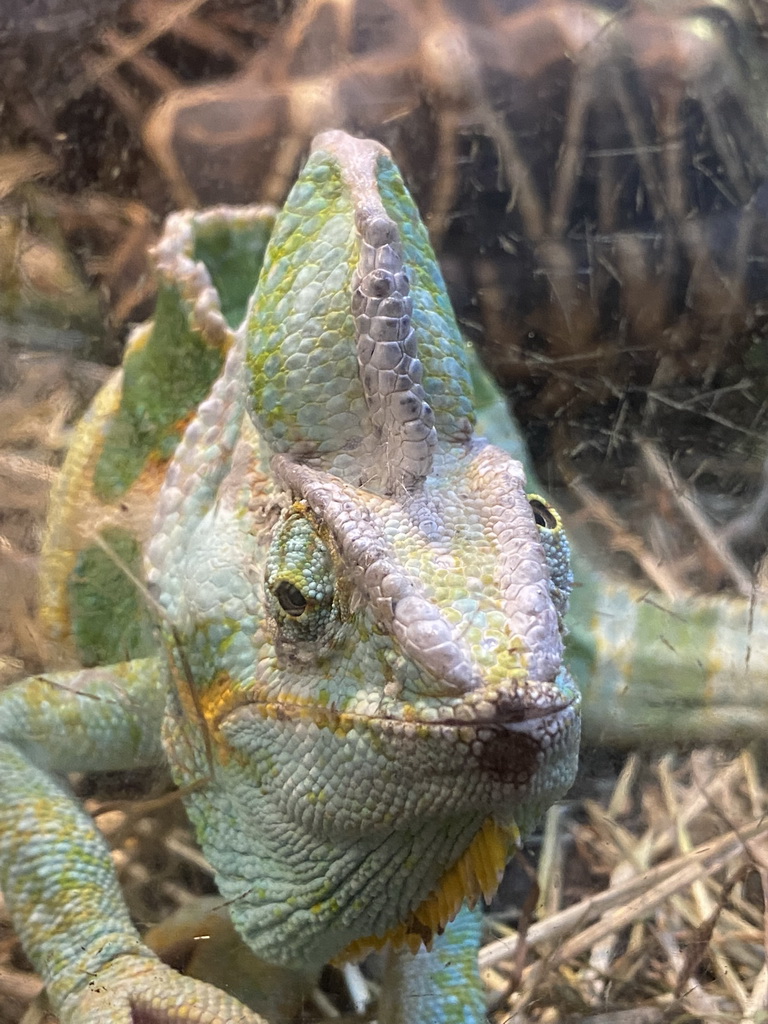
135	990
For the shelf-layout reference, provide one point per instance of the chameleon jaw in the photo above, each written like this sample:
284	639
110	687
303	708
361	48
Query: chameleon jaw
445	799
223	701
506	749
477	873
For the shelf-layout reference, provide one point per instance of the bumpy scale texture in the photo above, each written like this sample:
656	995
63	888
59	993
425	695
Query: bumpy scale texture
363	685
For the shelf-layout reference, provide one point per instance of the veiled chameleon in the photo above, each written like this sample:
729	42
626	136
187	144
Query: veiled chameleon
361	689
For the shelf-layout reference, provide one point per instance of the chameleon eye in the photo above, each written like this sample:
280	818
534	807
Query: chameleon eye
542	514
301	598
290	598
556	552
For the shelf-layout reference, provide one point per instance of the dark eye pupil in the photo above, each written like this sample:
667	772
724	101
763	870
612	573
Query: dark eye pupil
541	514
290	598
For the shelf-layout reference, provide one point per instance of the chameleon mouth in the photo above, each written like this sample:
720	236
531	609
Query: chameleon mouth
501	717
527	709
219	707
507	749
504	738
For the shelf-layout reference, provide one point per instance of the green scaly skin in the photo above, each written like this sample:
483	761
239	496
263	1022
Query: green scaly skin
362	690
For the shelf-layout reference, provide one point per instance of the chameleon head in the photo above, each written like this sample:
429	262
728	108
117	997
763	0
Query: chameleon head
432	623
389	704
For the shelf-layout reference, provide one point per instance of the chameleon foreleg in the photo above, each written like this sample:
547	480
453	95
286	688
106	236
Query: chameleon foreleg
96	719
57	873
55	869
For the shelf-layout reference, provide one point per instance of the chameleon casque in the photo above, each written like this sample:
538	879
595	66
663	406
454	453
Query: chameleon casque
362	692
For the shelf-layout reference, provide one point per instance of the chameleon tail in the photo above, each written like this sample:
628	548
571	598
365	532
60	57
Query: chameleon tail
653	670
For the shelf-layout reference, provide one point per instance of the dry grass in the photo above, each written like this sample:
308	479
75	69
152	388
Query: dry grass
654	902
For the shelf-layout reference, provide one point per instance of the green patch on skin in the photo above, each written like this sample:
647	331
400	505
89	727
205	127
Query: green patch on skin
233	627
164	381
111	622
233	253
167	377
301	349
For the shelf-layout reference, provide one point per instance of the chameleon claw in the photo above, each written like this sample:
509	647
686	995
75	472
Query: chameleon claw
132	990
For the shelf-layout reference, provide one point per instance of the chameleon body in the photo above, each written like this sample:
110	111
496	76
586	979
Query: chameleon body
362	691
